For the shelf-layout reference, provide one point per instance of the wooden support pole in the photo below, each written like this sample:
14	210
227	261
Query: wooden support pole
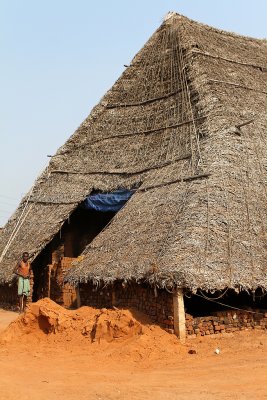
179	315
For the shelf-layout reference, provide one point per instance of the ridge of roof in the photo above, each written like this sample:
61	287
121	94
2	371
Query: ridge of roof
173	16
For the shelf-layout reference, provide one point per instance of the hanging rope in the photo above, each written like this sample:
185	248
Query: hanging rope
185	80
20	221
227	305
214	298
17	226
186	111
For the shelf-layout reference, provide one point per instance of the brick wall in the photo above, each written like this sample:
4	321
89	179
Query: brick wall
90	296
141	297
8	295
160	309
63	294
225	321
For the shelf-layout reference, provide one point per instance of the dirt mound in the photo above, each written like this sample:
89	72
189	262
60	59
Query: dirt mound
46	319
114	335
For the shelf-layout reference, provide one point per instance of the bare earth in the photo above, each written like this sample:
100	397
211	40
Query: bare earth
35	365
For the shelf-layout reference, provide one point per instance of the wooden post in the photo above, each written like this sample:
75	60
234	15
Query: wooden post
179	315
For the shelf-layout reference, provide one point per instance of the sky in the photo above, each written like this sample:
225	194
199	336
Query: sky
59	57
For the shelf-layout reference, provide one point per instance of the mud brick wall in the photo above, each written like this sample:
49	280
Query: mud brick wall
63	294
69	296
93	297
225	321
8	295
29	299
159	308
68	291
56	284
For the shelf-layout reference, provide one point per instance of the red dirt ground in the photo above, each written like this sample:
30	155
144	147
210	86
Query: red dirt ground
51	353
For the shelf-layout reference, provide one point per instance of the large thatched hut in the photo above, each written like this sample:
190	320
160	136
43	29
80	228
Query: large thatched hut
181	134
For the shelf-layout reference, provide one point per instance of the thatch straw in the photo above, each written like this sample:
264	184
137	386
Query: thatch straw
186	121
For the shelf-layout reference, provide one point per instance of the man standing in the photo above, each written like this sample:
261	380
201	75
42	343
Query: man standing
23	269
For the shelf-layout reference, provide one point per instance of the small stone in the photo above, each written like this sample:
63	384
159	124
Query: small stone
192	351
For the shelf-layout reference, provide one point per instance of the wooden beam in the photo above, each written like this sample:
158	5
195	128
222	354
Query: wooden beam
140	103
179	315
237	85
182	179
140	171
260	67
123	135
245	123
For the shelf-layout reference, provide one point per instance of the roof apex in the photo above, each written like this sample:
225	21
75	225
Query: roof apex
170	15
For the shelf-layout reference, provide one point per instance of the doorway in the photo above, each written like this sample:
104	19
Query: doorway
77	232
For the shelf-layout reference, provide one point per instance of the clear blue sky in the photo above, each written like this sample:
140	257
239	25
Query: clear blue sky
58	58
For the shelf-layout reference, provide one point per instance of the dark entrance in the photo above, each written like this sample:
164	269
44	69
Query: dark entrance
76	233
205	304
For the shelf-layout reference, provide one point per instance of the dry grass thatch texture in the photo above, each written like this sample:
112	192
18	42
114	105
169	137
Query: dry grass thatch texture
192	103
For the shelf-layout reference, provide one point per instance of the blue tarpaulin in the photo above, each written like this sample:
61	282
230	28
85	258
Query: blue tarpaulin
107	201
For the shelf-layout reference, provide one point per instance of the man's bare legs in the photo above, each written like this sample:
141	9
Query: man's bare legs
22	303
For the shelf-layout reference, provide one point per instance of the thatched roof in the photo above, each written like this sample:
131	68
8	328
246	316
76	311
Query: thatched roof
187	122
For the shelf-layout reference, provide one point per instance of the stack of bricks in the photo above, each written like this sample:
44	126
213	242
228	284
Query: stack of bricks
63	294
68	291
225	322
